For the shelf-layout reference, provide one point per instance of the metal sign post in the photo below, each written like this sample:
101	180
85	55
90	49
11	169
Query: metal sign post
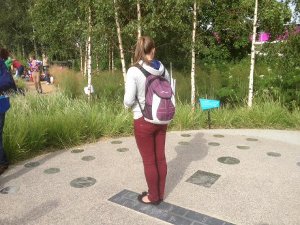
209	119
208	104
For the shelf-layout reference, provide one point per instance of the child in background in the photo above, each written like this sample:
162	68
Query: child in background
18	67
35	68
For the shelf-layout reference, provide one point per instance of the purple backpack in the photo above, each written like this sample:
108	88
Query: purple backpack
159	99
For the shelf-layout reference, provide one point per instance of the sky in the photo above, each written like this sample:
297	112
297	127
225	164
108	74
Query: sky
295	18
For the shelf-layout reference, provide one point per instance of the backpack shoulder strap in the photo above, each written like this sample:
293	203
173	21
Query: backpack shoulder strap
145	72
146	75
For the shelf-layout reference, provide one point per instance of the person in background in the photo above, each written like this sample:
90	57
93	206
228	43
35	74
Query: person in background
18	67
3	159
150	138
35	68
6	57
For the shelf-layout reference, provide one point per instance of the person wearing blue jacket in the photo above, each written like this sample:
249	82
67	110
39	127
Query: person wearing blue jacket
3	159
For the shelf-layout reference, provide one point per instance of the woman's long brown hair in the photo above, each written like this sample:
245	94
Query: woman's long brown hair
143	47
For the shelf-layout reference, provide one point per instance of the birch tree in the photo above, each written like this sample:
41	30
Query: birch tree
81	58
251	77
85	58
89	56
120	40
193	55
139	16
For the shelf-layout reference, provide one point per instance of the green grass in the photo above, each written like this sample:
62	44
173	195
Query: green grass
36	123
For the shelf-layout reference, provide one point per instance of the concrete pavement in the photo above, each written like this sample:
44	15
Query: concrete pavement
229	176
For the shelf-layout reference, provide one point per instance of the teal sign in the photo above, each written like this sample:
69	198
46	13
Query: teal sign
207	104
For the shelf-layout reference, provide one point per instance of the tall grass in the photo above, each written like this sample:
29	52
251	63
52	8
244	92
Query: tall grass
66	118
37	122
71	83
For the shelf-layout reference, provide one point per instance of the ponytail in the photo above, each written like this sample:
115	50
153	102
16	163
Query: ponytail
143	47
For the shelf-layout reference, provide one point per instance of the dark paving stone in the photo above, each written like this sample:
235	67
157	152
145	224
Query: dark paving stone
165	211
183	143
83	182
243	147
203	219
10	190
274	154
228	160
31	164
298	163
213	143
174	219
185	135
52	170
78	150
120	195
203	178
178	210
252	139
88	158
116	142
218	135
122	149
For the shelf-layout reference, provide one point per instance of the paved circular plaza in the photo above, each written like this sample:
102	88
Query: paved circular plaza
214	177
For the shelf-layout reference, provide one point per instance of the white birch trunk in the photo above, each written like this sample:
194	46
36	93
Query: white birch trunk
81	58
112	59
251	76
97	63
139	16
120	41
109	58
193	56
85	58
89	57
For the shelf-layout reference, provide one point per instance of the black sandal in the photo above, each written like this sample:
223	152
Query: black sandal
140	199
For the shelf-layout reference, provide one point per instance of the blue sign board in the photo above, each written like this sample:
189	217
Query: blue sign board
209	103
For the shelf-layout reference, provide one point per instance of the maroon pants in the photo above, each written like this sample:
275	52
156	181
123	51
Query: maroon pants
150	139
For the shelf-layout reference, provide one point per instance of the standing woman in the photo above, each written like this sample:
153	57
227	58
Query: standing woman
35	68
150	138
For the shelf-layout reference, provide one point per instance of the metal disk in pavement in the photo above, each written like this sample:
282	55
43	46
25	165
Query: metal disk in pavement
228	160
31	164
77	150
83	182
10	190
52	170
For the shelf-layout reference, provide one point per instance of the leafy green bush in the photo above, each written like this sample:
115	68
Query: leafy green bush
283	62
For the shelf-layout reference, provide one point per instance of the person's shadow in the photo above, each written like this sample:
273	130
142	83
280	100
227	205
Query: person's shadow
195	150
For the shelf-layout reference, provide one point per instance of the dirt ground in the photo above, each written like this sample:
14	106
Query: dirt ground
47	88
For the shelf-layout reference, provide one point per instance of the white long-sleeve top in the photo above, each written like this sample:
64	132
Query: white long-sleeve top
135	86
